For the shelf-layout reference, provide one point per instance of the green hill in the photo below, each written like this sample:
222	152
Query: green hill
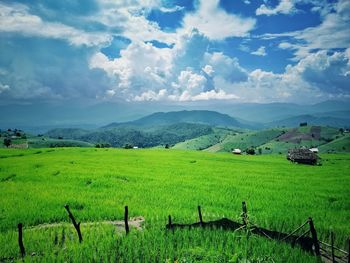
138	136
245	140
313	120
205	141
211	118
273	140
341	144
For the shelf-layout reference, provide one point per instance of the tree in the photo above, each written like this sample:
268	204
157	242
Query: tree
128	146
260	151
250	151
7	142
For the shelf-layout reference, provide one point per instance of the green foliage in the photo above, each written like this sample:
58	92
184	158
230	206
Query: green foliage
138	136
7	142
250	151
97	183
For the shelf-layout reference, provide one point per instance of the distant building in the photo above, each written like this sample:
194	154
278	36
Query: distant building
237	151
314	150
135	147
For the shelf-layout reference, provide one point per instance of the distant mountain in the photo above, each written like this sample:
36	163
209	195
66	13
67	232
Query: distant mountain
311	120
211	118
40	116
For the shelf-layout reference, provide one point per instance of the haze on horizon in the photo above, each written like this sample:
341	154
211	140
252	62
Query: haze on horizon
174	51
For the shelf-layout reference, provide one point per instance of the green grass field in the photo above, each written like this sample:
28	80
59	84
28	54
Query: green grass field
97	184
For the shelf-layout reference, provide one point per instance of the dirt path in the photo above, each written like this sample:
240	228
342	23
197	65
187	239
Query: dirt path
135	222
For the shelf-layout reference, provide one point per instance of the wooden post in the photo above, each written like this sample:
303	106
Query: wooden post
200	216
20	240
244	213
314	237
169	221
348	250
75	224
126	217
332	247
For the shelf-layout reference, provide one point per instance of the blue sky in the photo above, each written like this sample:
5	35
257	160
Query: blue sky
175	50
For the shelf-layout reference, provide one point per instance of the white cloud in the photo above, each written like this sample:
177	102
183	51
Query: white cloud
332	33
215	23
17	19
133	24
208	70
191	81
208	95
151	95
140	68
259	52
4	87
283	7
225	67
171	9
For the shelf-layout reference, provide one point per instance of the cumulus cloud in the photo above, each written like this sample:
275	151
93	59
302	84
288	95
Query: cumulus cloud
283	7
332	33
259	52
132	23
216	23
225	67
186	69
318	76
4	87
171	9
17	19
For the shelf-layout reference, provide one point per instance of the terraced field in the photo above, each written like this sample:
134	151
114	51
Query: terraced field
97	184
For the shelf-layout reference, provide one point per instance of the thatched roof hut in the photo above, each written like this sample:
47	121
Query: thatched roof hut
304	156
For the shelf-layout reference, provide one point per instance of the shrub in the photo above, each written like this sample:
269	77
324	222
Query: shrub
7	142
250	151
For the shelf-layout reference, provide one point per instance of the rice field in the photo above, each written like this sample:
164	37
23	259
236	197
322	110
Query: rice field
35	184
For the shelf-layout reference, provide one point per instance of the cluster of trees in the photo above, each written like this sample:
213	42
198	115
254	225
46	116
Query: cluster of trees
102	145
12	133
129	135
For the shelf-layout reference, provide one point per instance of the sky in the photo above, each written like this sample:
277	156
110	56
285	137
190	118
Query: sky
258	51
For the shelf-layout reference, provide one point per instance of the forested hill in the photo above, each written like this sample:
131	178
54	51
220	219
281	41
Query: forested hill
211	118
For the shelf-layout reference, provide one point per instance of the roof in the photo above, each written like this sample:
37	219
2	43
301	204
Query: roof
305	156
237	151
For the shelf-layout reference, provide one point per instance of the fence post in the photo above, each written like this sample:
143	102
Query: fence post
169	221
75	224
20	240
200	216
314	237
348	250
332	246
244	214
126	216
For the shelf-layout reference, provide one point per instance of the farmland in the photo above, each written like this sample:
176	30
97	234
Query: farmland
35	184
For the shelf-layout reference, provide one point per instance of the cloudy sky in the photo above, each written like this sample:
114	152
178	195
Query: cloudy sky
175	50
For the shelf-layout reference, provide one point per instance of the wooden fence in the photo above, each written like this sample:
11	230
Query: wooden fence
307	240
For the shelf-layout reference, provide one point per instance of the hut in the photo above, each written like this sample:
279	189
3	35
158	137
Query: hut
304	156
236	151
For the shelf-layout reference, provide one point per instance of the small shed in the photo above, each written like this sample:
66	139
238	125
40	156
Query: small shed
304	156
314	150
237	151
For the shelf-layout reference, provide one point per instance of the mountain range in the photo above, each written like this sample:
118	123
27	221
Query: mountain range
41	116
